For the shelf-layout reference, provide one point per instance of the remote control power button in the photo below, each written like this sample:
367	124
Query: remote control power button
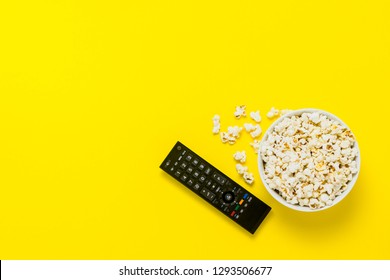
228	197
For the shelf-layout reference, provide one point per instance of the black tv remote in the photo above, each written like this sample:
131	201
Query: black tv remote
215	187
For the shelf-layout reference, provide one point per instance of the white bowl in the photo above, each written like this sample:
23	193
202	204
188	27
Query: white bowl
280	198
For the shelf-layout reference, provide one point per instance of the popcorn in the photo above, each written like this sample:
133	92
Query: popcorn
344	144
272	113
254	130
241	169
249	178
240	111
309	159
256	145
234	131
231	135
255	116
217	125
240	156
249	127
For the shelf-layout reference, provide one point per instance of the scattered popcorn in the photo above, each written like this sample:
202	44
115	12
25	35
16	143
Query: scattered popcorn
240	156
256	132
234	130
309	159
255	116
272	113
241	169
248	177
216	123
256	145
240	111
231	135
249	127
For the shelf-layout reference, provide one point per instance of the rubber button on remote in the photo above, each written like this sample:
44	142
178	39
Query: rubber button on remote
228	197
195	162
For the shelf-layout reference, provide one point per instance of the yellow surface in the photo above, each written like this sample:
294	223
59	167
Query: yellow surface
93	95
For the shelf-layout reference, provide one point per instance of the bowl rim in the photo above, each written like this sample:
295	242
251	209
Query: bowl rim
279	198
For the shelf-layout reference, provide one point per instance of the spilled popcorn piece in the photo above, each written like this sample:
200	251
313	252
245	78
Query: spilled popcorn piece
231	135
249	127
241	169
216	124
256	145
255	116
248	178
227	138
272	113
240	111
240	156
256	132
224	137
234	131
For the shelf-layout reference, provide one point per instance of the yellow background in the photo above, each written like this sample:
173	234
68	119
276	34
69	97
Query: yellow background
94	94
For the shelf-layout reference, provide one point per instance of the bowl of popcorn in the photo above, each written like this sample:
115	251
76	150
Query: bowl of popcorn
309	160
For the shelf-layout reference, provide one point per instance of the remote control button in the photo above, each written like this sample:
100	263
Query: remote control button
190	182
184	177
241	201
202	178
246	205
219	178
183	165
176	163
237	216
189	169
213	186
195	162
207	171
178	147
172	169
167	163
241	211
196	186
196	174
207	193
210	196
245	196
228	197
201	166
180	158
184	152
177	173
250	199
232	214
237	207
188	157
